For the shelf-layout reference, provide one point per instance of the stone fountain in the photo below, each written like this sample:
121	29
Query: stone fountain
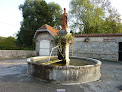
62	68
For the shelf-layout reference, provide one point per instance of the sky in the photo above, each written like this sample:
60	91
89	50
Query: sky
11	16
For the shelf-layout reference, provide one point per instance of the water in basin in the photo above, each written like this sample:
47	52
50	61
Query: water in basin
74	62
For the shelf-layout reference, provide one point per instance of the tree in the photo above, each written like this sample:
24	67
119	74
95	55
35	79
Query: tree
85	15
8	43
56	13
92	16
112	23
35	14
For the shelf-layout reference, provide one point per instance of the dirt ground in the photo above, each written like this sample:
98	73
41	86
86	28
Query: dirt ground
13	78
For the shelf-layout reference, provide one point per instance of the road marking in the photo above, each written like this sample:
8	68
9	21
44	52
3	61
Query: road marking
61	90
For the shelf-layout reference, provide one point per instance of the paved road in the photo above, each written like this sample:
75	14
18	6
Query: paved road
13	78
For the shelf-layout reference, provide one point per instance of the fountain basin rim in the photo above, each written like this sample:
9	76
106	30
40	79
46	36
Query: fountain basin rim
32	60
64	74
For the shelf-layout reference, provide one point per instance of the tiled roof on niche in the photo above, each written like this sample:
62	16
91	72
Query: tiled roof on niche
51	29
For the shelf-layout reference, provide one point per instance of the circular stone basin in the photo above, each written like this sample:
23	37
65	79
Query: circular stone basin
80	70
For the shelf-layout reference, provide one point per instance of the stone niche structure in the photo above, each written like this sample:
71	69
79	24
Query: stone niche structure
44	37
99	46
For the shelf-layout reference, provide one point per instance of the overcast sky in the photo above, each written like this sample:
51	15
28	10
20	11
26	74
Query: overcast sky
11	16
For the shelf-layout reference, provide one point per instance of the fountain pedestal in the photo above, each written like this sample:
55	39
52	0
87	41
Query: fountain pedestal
66	46
67	53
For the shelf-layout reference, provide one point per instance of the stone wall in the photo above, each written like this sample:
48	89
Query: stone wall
104	48
15	54
99	46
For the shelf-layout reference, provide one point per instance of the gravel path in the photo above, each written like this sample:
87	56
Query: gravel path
13	78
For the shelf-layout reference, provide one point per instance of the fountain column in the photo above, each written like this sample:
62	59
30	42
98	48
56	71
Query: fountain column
65	32
67	53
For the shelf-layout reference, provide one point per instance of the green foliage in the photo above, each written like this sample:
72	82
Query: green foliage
112	23
62	40
94	16
56	13
35	14
85	15
8	43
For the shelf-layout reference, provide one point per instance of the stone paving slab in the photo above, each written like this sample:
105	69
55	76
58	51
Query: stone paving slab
13	78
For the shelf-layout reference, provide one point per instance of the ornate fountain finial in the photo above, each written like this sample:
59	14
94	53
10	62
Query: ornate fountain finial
64	20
